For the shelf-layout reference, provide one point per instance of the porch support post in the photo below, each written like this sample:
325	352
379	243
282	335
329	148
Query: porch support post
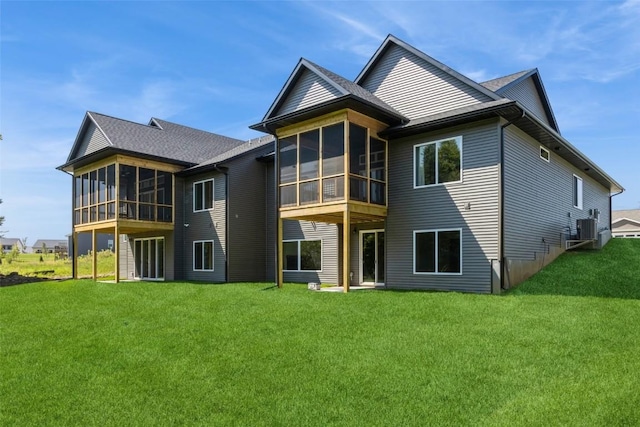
74	254
116	248
94	255
346	235
279	274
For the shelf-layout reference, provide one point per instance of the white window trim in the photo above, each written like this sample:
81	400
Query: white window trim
164	256
213	256
415	172
576	180
213	194
548	159
436	231
299	270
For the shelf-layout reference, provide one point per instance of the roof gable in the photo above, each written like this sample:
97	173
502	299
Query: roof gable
309	89
526	87
416	84
625	224
311	85
90	138
627	214
160	139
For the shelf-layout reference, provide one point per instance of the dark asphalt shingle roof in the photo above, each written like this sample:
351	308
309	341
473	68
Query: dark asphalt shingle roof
355	90
166	140
497	84
250	145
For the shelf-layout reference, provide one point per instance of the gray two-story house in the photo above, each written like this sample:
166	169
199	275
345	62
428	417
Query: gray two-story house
410	176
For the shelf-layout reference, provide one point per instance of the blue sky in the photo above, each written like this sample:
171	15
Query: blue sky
217	66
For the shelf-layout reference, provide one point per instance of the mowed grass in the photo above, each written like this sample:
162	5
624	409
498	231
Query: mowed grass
84	353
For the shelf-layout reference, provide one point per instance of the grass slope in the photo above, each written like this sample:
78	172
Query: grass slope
81	353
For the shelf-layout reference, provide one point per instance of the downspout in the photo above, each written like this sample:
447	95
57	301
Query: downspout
226	222
501	201
611	210
276	207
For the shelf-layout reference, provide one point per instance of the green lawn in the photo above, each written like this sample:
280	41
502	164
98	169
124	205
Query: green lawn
548	353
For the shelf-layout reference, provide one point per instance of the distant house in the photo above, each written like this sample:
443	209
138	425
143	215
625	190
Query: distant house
9	242
410	176
50	246
626	223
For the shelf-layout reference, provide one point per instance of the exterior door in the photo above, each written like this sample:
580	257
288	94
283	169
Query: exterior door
372	257
149	258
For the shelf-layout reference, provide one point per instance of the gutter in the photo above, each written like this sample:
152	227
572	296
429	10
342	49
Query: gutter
226	220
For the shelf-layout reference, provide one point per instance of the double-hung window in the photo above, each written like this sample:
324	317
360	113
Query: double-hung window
203	255
577	192
302	255
437	162
203	195
437	251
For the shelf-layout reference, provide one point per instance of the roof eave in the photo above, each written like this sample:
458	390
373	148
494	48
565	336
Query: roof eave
348	101
109	151
509	110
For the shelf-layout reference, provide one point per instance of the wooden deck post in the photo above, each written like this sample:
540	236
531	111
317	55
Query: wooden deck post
279	258
116	248
346	236
74	260
94	255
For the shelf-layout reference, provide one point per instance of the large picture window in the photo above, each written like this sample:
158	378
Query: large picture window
302	255
438	162
203	255
577	192
437	252
203	195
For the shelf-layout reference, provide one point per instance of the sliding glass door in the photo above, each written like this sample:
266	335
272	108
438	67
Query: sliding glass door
149	258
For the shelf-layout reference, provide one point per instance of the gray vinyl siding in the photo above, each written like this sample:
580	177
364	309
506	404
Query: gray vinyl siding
205	225
127	262
328	233
93	141
417	88
471	205
270	226
538	197
247	218
526	93
179	228
309	90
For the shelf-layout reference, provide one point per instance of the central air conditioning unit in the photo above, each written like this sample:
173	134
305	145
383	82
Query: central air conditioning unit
587	229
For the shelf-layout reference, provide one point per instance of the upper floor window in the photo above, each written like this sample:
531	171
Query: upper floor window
544	154
438	162
203	195
577	192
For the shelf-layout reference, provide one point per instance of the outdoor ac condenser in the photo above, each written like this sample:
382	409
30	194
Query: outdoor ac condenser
587	229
